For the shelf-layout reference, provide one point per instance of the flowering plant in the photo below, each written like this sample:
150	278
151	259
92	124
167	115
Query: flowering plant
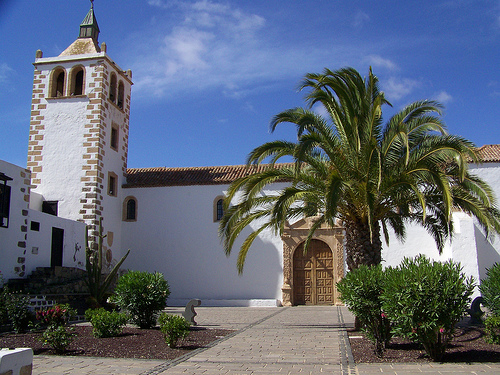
361	291
58	315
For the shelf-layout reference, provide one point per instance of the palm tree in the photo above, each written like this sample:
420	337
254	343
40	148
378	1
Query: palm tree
348	165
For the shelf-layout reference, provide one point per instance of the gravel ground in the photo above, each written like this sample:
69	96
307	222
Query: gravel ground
468	345
132	343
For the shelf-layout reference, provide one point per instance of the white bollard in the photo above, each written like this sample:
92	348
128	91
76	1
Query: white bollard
17	361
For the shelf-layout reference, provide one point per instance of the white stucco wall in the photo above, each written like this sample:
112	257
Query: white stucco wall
23	249
488	251
468	246
38	252
175	234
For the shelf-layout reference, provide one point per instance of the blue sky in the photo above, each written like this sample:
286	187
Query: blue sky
209	75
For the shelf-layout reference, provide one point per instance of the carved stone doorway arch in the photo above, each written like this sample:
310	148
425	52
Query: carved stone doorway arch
293	236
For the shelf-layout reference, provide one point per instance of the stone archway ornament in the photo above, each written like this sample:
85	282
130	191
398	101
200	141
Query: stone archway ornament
295	234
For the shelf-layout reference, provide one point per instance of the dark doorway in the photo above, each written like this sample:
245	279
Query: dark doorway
56	255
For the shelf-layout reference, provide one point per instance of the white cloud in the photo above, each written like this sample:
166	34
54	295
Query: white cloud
320	110
5	72
379	62
443	97
360	19
398	88
213	45
192	46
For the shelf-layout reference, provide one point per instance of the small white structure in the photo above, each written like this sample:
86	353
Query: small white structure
17	361
168	217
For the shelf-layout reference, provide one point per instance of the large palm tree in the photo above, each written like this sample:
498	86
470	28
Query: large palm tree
348	165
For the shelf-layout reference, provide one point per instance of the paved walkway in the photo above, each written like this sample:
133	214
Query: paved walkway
295	340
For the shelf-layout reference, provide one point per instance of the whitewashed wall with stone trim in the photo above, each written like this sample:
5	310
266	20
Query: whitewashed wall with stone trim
113	160
13	239
23	249
69	149
57	136
175	234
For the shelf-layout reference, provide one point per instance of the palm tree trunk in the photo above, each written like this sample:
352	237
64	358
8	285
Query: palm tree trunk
360	248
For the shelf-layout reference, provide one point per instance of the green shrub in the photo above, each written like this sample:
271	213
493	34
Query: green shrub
490	289
143	295
58	315
361	290
492	329
58	337
106	323
425	299
174	328
4	315
17	307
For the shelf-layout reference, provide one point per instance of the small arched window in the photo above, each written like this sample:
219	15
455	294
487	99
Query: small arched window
218	208
121	92
77	81
57	83
130	209
112	88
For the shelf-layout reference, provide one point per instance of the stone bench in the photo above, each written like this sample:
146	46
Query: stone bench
16	361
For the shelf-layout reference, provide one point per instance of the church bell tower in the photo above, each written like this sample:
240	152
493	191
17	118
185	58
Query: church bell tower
78	139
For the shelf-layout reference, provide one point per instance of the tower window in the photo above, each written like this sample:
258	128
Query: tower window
77	81
57	83
130	209
121	92
114	137
112	184
112	88
60	84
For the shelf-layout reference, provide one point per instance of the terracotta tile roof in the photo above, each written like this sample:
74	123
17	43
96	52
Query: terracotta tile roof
489	153
221	175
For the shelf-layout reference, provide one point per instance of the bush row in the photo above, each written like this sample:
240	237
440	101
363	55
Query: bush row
490	290
420	299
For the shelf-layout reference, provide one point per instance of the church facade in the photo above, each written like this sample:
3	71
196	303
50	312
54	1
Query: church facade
168	217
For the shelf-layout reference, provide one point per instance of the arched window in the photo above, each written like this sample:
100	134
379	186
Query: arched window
121	91
130	209
57	83
112	88
77	81
218	208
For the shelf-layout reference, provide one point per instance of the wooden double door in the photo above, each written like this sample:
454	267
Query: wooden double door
313	281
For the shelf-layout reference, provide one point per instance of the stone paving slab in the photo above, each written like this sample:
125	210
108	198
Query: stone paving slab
295	340
428	368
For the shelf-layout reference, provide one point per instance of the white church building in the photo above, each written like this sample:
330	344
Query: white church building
168	217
